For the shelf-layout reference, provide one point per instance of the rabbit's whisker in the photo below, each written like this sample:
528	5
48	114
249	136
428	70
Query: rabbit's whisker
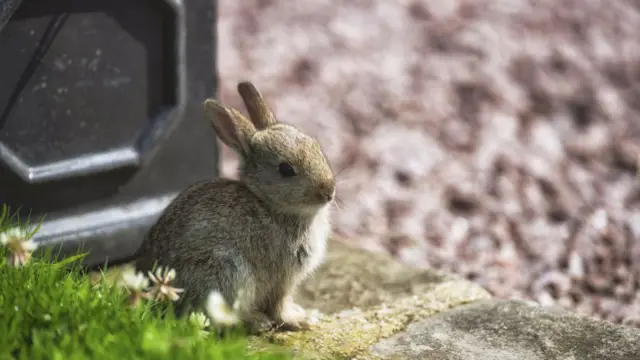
341	170
337	202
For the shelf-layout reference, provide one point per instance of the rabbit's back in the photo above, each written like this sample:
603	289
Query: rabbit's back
204	216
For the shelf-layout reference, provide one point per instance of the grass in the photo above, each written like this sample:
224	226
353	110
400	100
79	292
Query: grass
51	310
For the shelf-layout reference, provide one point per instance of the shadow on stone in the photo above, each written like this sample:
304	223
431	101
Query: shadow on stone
352	277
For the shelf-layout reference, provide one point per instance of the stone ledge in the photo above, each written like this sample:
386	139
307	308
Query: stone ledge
377	308
365	297
510	330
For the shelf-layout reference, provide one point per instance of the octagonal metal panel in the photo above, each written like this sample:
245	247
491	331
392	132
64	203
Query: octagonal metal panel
101	115
106	94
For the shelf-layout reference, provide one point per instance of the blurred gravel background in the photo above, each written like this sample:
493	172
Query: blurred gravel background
496	139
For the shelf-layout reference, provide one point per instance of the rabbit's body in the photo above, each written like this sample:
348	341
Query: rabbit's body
278	250
260	235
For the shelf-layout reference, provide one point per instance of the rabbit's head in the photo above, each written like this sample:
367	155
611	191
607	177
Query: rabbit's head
282	165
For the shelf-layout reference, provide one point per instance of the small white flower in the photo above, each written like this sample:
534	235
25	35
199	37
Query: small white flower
199	319
219	311
19	244
13	233
161	290
134	282
162	274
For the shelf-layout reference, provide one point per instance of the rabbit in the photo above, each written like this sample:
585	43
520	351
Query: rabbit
260	235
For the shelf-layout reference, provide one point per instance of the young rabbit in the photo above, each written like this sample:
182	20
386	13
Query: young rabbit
261	235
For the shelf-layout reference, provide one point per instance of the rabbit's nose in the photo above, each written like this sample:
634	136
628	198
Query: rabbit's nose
326	192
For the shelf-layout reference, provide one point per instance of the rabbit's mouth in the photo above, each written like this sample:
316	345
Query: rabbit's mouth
320	198
306	209
311	208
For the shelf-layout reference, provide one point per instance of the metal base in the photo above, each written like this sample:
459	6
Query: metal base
111	234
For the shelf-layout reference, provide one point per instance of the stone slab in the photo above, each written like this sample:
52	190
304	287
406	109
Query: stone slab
510	330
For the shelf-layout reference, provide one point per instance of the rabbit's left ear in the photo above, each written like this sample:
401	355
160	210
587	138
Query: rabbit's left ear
231	126
260	114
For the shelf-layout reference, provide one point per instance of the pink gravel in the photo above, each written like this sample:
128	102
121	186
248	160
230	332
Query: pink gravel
494	139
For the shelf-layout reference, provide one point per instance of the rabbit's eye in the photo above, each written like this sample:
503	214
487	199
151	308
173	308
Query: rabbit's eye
286	170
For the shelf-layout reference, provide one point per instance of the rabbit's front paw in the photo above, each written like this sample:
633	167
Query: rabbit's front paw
259	323
293	317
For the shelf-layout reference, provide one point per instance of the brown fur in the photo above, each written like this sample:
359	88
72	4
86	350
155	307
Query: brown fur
262	234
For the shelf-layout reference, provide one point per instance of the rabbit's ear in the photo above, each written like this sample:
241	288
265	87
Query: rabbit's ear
231	126
259	112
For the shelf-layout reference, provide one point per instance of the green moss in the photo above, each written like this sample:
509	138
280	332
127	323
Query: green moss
51	310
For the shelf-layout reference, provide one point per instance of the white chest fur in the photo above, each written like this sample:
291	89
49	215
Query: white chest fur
317	239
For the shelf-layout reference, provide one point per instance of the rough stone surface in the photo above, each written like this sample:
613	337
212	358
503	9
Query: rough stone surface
351	277
495	139
363	297
510	330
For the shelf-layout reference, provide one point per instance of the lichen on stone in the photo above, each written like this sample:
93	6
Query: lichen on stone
349	333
